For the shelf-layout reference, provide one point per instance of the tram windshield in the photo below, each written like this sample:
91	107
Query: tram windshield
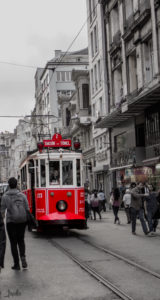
67	173
54	172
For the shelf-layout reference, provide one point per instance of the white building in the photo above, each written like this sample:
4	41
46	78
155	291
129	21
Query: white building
56	80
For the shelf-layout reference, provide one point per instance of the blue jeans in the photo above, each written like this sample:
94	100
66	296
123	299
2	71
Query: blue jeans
140	213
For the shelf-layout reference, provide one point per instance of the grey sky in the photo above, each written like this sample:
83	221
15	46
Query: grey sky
30	31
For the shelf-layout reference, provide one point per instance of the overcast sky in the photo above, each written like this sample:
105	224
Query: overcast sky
30	31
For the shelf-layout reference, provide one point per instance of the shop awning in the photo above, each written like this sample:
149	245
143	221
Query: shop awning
135	105
151	161
121	167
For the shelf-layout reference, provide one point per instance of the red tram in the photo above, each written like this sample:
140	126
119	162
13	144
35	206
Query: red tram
52	181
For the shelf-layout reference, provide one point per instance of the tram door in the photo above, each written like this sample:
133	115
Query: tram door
32	184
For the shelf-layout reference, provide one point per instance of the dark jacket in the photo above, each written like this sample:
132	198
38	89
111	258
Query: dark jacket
151	202
2	241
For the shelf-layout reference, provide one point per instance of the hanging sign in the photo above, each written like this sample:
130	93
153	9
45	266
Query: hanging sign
57	142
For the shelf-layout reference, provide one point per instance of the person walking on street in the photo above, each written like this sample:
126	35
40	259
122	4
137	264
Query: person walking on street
16	205
115	202
102	198
137	208
95	204
150	205
127	203
2	242
89	204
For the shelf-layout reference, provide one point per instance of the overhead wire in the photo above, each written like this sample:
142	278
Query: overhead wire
47	68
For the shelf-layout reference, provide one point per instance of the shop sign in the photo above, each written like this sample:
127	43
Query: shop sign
101	155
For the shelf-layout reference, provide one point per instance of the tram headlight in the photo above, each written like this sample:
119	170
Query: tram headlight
61	205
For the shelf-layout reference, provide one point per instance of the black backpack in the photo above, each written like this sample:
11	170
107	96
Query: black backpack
17	209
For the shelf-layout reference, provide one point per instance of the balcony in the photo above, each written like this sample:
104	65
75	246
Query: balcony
136	106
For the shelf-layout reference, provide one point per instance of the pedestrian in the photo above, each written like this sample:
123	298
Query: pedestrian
95	204
115	202
102	198
86	213
2	242
89	204
127	204
151	208
137	208
16	205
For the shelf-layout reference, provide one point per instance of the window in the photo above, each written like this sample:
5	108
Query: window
68	116
92	81
99	73
78	172
95	77
68	76
92	10
101	106
63	76
95	40
140	135
120	142
104	141
132	72
148	60
54	172
48	99
37	178
58	75
117	85
129	8
94	110
114	20
92	45
85	93
67	173
101	143
43	172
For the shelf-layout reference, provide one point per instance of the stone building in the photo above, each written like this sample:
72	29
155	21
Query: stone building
132	35
5	154
54	81
77	122
99	92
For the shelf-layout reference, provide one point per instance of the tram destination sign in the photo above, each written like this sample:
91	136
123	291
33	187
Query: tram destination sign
57	142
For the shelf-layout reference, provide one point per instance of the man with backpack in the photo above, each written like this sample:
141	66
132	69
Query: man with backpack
16	205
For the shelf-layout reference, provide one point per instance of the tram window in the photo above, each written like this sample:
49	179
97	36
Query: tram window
37	178
54	172
43	172
67	172
23	178
78	170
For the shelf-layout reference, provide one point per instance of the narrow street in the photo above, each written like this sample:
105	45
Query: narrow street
53	275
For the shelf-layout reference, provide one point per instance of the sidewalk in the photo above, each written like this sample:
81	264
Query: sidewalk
141	248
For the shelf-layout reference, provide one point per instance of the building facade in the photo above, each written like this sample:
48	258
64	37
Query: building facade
132	30
99	92
52	82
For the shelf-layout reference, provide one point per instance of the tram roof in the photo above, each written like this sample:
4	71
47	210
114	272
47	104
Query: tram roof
51	154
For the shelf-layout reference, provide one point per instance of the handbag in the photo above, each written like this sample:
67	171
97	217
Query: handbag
31	221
